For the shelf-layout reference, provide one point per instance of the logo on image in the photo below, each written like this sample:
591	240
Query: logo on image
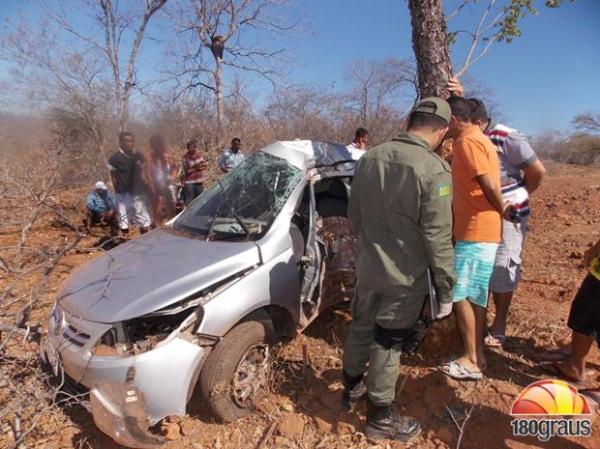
551	398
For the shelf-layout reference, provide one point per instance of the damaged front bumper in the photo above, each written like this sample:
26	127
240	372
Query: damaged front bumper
119	410
131	393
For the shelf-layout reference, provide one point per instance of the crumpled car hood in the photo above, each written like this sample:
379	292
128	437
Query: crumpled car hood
149	273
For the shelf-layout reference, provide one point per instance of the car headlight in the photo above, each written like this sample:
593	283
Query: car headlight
145	333
58	318
113	343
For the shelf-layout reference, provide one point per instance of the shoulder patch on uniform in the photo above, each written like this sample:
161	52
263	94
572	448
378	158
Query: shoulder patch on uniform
444	189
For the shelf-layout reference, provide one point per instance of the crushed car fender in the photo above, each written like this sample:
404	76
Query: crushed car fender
119	410
151	390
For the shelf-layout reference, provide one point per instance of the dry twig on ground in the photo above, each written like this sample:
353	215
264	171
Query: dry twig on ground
461	427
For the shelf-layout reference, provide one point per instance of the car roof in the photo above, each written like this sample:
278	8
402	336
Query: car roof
308	154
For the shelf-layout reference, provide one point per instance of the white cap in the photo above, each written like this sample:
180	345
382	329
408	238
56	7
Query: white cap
100	186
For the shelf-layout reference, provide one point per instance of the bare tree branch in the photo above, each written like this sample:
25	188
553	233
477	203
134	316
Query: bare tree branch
219	30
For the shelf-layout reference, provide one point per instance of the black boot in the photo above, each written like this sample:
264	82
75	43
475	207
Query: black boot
384	423
355	391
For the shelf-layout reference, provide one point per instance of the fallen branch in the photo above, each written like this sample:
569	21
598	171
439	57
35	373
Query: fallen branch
461	427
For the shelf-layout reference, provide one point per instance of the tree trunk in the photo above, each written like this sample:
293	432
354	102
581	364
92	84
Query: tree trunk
218	75
430	45
364	106
124	112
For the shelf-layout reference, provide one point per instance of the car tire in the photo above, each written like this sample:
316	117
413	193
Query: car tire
223	364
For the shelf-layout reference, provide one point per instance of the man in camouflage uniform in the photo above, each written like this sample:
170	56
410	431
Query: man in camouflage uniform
400	207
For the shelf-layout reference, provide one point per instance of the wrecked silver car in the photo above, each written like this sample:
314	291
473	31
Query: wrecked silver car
200	302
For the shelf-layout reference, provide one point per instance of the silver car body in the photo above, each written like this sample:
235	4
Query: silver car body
164	272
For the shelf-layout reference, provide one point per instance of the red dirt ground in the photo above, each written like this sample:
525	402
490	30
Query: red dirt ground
304	406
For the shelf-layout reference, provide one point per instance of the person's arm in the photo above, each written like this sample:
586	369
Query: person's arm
112	170
203	166
492	192
113	177
91	202
183	172
521	155
221	163
150	177
476	166
435	219
591	253
532	175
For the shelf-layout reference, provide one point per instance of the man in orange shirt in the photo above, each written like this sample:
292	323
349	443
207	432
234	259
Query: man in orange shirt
478	207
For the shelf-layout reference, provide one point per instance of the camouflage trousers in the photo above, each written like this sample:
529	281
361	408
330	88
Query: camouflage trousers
370	309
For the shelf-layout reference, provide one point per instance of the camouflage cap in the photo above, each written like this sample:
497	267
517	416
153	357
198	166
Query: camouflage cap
434	106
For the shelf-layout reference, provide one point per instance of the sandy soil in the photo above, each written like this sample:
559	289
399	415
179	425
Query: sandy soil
303	408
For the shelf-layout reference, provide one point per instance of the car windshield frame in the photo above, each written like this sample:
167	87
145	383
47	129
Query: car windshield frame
243	204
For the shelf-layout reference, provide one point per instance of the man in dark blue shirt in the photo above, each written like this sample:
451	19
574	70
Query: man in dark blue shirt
127	168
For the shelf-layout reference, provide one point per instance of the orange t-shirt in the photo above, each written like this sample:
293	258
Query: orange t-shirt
475	219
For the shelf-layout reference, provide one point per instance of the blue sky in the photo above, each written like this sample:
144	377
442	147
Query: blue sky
540	80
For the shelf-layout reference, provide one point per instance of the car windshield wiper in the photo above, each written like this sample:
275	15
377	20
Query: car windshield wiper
240	222
232	212
214	218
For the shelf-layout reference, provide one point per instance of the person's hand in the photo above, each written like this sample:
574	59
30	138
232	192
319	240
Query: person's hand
455	88
445	310
507	212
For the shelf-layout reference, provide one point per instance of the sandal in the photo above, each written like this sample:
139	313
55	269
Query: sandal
494	340
555	368
455	357
457	371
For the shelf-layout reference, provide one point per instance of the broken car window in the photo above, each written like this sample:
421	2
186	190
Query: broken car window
243	203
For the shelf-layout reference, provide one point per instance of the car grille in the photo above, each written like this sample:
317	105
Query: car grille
75	336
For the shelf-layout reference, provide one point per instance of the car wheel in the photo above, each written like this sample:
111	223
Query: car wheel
236	371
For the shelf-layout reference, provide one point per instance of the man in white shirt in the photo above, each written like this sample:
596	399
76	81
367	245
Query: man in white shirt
358	147
231	158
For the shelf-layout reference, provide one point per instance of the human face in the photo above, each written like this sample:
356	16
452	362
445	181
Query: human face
441	135
236	145
454	128
362	142
192	147
127	143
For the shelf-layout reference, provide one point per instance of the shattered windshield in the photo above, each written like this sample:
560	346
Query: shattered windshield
243	203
